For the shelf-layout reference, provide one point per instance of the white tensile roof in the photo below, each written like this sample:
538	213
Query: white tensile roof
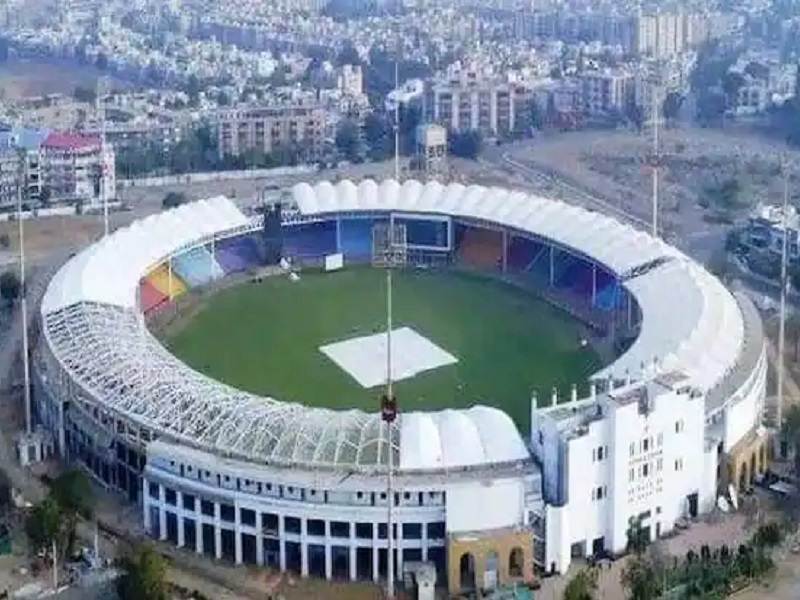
97	340
108	272
691	322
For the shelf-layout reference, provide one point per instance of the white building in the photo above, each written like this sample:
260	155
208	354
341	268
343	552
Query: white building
635	452
77	168
607	91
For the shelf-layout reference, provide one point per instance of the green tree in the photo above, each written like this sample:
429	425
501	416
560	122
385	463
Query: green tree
583	586
84	94
640	580
10	286
173	200
144	577
378	135
466	144
671	106
73	493
44	524
791	433
348	141
638	536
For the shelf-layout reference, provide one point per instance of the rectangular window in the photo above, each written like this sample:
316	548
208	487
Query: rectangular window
632	449
153	487
631	475
600	453
291	524
645	469
227	513
364	531
645	443
188	502
340	529
316	527
247	517
170	496
207	508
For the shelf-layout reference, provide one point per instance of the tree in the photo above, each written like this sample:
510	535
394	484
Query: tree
173	200
671	106
348	141
466	144
73	492
710	107
144	577
348	55
44	524
732	82
44	195
10	286
583	586
791	433
5	490
640	579
84	94
638	537
377	132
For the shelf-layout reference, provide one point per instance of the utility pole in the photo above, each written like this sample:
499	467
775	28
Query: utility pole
397	115
24	303
390	259
656	158
100	109
784	284
55	567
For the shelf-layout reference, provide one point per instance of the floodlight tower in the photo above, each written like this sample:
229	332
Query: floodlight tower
100	110
655	159
784	285
391	255
24	302
397	114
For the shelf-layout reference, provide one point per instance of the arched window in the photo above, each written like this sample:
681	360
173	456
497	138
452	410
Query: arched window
466	570
516	562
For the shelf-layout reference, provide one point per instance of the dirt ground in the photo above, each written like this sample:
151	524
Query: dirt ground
613	165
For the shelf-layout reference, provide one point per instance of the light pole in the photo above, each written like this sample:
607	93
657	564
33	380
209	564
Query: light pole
393	256
784	284
24	301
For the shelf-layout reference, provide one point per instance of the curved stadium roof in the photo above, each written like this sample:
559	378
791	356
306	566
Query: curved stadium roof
99	341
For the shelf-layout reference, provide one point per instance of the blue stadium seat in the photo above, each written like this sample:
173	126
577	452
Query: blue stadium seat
196	267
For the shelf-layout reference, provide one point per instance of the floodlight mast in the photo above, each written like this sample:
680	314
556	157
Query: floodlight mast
784	285
389	411
24	310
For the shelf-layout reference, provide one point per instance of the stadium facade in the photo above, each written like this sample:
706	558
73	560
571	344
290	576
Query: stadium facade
654	436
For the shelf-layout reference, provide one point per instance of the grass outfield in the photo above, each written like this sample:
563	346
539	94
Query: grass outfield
265	338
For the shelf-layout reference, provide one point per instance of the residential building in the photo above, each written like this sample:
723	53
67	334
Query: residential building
77	168
264	129
607	91
471	98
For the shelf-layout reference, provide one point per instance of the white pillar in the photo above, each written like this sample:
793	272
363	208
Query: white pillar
574	393
198	529
353	554
237	534
281	543
398	549
217	532
259	539
303	547
146	505
162	514
179	518
328	557
424	541
375	558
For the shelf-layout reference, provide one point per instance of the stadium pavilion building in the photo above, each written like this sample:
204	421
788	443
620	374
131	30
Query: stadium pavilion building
656	435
